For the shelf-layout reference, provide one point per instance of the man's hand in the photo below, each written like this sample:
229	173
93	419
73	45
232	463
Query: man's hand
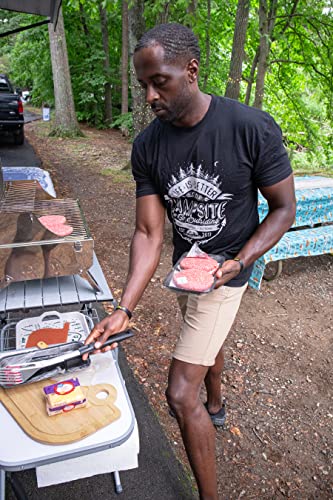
228	270
116	322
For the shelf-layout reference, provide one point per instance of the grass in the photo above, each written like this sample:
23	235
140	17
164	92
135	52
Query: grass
118	176
310	171
309	164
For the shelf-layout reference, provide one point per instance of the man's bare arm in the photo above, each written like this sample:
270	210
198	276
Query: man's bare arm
144	258
282	208
145	248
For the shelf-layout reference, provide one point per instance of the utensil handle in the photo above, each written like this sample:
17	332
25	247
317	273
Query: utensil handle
48	314
118	337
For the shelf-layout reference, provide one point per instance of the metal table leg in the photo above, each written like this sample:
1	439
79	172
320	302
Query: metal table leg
117	482
2	484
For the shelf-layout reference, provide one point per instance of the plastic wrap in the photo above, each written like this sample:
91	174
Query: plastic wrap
195	252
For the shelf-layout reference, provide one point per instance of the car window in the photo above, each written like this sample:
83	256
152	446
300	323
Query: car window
5	86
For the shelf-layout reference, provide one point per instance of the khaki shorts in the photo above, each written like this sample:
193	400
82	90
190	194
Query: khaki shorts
208	319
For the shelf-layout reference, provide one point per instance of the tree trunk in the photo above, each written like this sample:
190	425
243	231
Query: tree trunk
106	64
84	24
266	26
83	18
251	77
192	8
124	59
65	123
269	25
207	43
142	115
164	15
237	56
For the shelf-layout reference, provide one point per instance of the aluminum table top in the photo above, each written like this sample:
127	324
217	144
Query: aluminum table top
64	290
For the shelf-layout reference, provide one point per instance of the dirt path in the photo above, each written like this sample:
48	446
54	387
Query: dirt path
278	376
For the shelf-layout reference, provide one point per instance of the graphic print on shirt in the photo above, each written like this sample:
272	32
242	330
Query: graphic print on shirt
197	204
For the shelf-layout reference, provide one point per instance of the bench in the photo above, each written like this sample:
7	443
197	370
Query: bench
312	231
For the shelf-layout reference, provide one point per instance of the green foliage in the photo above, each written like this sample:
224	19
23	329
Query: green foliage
29	71
124	123
118	176
299	78
86	56
65	133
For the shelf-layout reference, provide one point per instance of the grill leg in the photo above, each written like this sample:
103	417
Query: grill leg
117	482
2	484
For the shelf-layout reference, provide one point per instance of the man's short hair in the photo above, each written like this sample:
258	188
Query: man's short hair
179	42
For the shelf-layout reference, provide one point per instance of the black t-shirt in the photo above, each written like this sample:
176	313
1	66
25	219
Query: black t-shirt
207	176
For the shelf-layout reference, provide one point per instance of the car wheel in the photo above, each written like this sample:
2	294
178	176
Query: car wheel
19	137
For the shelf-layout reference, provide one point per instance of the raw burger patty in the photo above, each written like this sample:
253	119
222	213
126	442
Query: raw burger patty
196	280
56	224
52	219
204	263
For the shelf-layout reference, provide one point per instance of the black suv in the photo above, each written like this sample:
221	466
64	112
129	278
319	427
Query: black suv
11	111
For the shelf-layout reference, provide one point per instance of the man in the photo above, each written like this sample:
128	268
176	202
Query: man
202	160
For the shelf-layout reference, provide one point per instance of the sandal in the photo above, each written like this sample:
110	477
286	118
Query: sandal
218	419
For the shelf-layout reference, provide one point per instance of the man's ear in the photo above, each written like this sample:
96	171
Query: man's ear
193	70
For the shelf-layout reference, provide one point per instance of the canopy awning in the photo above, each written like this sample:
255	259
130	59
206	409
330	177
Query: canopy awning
48	8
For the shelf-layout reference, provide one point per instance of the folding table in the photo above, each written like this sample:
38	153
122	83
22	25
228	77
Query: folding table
57	293
312	231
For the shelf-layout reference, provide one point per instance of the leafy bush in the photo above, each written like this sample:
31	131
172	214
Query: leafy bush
124	123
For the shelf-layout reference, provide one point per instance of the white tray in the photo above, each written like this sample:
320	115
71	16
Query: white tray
79	329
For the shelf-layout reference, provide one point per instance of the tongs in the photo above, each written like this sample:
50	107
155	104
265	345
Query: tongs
35	365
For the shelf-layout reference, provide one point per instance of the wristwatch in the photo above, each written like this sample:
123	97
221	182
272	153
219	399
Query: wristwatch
241	263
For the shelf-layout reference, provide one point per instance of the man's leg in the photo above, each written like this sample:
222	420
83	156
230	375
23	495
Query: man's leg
213	383
207	321
198	433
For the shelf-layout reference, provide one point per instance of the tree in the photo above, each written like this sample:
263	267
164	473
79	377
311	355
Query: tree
106	64
288	63
164	13
207	43
267	15
124	58
142	115
237	56
192	8
65	123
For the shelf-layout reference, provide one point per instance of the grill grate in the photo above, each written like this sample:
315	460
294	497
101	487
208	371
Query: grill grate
18	196
69	209
28	250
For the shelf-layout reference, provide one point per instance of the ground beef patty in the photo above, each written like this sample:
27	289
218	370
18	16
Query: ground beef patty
56	224
195	280
205	263
52	219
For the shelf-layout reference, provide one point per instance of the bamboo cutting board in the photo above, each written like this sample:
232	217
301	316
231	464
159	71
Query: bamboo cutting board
26	404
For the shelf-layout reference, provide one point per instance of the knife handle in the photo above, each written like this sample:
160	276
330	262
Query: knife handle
117	337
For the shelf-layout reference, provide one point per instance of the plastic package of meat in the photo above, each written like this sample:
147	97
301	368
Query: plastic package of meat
194	272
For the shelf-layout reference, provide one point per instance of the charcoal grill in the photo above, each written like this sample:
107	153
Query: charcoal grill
30	251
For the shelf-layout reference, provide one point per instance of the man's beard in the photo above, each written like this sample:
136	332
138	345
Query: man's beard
177	108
